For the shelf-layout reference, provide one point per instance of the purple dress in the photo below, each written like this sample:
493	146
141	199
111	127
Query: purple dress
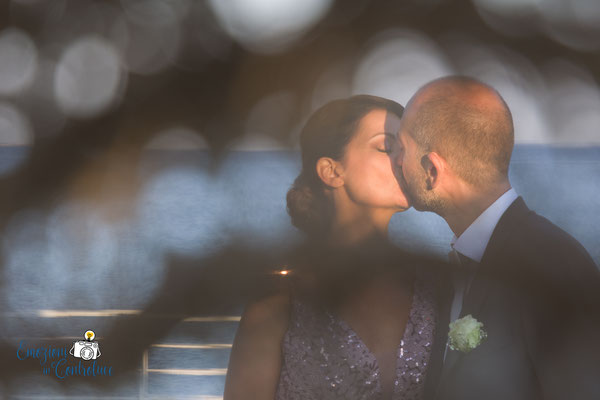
323	358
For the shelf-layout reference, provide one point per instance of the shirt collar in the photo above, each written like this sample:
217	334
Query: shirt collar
475	238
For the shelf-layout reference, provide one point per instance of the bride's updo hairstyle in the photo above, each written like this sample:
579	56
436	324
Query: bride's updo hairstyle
326	134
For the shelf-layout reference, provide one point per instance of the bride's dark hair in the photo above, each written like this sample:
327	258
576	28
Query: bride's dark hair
326	134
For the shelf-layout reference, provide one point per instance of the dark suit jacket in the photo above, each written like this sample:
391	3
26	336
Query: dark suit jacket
537	293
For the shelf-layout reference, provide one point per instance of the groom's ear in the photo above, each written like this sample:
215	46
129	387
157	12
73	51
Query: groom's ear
330	172
434	166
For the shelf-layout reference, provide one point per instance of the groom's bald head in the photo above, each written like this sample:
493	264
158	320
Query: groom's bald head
467	123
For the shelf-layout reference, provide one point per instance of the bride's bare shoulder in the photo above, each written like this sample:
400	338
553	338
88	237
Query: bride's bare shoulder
255	360
268	312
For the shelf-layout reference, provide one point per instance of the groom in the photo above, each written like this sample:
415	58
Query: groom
532	285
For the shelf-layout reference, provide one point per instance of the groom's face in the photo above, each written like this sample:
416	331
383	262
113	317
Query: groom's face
404	167
408	169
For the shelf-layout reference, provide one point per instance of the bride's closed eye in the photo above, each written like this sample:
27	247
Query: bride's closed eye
386	144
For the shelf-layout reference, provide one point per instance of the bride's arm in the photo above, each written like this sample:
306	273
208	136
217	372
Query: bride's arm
255	361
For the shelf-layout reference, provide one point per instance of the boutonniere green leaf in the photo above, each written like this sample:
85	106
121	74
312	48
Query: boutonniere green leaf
466	334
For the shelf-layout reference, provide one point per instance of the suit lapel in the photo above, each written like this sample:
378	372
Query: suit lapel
494	251
475	298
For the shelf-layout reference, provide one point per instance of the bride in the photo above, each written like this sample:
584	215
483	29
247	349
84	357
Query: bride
357	317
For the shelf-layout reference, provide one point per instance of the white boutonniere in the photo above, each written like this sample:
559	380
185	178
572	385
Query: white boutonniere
466	334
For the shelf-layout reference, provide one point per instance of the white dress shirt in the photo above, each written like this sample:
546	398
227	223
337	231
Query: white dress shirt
474	240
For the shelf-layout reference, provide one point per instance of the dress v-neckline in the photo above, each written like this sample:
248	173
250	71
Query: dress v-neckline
399	351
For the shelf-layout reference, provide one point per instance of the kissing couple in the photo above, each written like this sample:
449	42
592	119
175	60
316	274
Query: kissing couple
512	315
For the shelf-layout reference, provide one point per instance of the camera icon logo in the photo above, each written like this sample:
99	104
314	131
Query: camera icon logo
86	349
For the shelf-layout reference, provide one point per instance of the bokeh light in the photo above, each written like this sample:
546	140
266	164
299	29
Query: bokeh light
15	129
268	25
18	61
573	23
88	77
272	114
333	83
48	119
397	63
586	12
151	49
71	252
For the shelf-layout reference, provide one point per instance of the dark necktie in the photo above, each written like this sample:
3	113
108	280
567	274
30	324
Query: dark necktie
464	273
469	268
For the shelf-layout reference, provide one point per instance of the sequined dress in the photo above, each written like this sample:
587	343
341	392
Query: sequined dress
323	358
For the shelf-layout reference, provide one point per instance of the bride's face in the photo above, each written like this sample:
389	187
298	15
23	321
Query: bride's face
368	176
